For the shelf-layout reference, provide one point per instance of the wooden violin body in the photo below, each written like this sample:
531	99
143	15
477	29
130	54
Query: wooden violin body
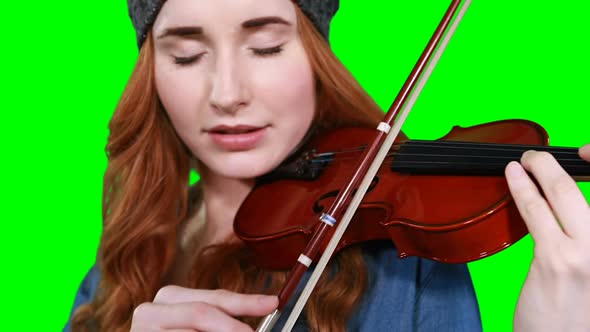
440	199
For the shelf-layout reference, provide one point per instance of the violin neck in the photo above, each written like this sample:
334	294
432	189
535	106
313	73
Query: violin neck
480	159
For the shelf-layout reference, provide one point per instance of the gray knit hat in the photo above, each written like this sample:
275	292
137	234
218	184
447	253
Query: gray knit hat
143	13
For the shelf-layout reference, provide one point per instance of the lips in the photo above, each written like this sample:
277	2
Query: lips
240	129
237	138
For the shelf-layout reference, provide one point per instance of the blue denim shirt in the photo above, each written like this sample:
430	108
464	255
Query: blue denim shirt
410	294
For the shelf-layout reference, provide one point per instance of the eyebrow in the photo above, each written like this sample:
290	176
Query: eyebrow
262	21
181	32
196	31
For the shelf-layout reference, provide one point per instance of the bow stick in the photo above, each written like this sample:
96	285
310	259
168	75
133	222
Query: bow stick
373	155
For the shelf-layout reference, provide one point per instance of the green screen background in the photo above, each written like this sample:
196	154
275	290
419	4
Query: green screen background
64	65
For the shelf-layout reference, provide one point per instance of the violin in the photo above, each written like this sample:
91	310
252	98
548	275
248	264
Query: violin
445	200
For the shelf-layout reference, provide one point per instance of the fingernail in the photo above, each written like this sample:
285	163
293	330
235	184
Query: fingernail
514	169
527	153
585	150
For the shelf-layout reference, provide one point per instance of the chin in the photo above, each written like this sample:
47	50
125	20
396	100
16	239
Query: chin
243	166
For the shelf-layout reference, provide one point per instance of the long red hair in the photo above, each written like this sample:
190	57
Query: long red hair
146	199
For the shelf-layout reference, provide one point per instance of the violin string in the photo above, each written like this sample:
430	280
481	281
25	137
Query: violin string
565	156
441	157
463	145
460	144
579	169
480	144
560	157
498	161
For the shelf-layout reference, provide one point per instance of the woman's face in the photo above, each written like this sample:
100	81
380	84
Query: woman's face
235	81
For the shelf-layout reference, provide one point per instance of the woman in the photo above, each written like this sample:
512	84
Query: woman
233	97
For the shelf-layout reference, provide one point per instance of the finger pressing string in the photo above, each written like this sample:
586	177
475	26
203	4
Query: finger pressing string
562	193
534	210
585	152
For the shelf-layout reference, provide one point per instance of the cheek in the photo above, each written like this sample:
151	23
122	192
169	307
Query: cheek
289	91
181	97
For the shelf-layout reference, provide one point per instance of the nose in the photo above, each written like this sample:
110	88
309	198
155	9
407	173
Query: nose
228	93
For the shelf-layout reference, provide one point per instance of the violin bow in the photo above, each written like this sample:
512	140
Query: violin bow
370	161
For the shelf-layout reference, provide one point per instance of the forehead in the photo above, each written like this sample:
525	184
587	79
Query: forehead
225	13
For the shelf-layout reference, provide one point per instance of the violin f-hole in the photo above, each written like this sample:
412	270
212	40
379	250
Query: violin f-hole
318	208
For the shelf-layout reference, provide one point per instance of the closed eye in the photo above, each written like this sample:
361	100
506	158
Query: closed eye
268	51
185	61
